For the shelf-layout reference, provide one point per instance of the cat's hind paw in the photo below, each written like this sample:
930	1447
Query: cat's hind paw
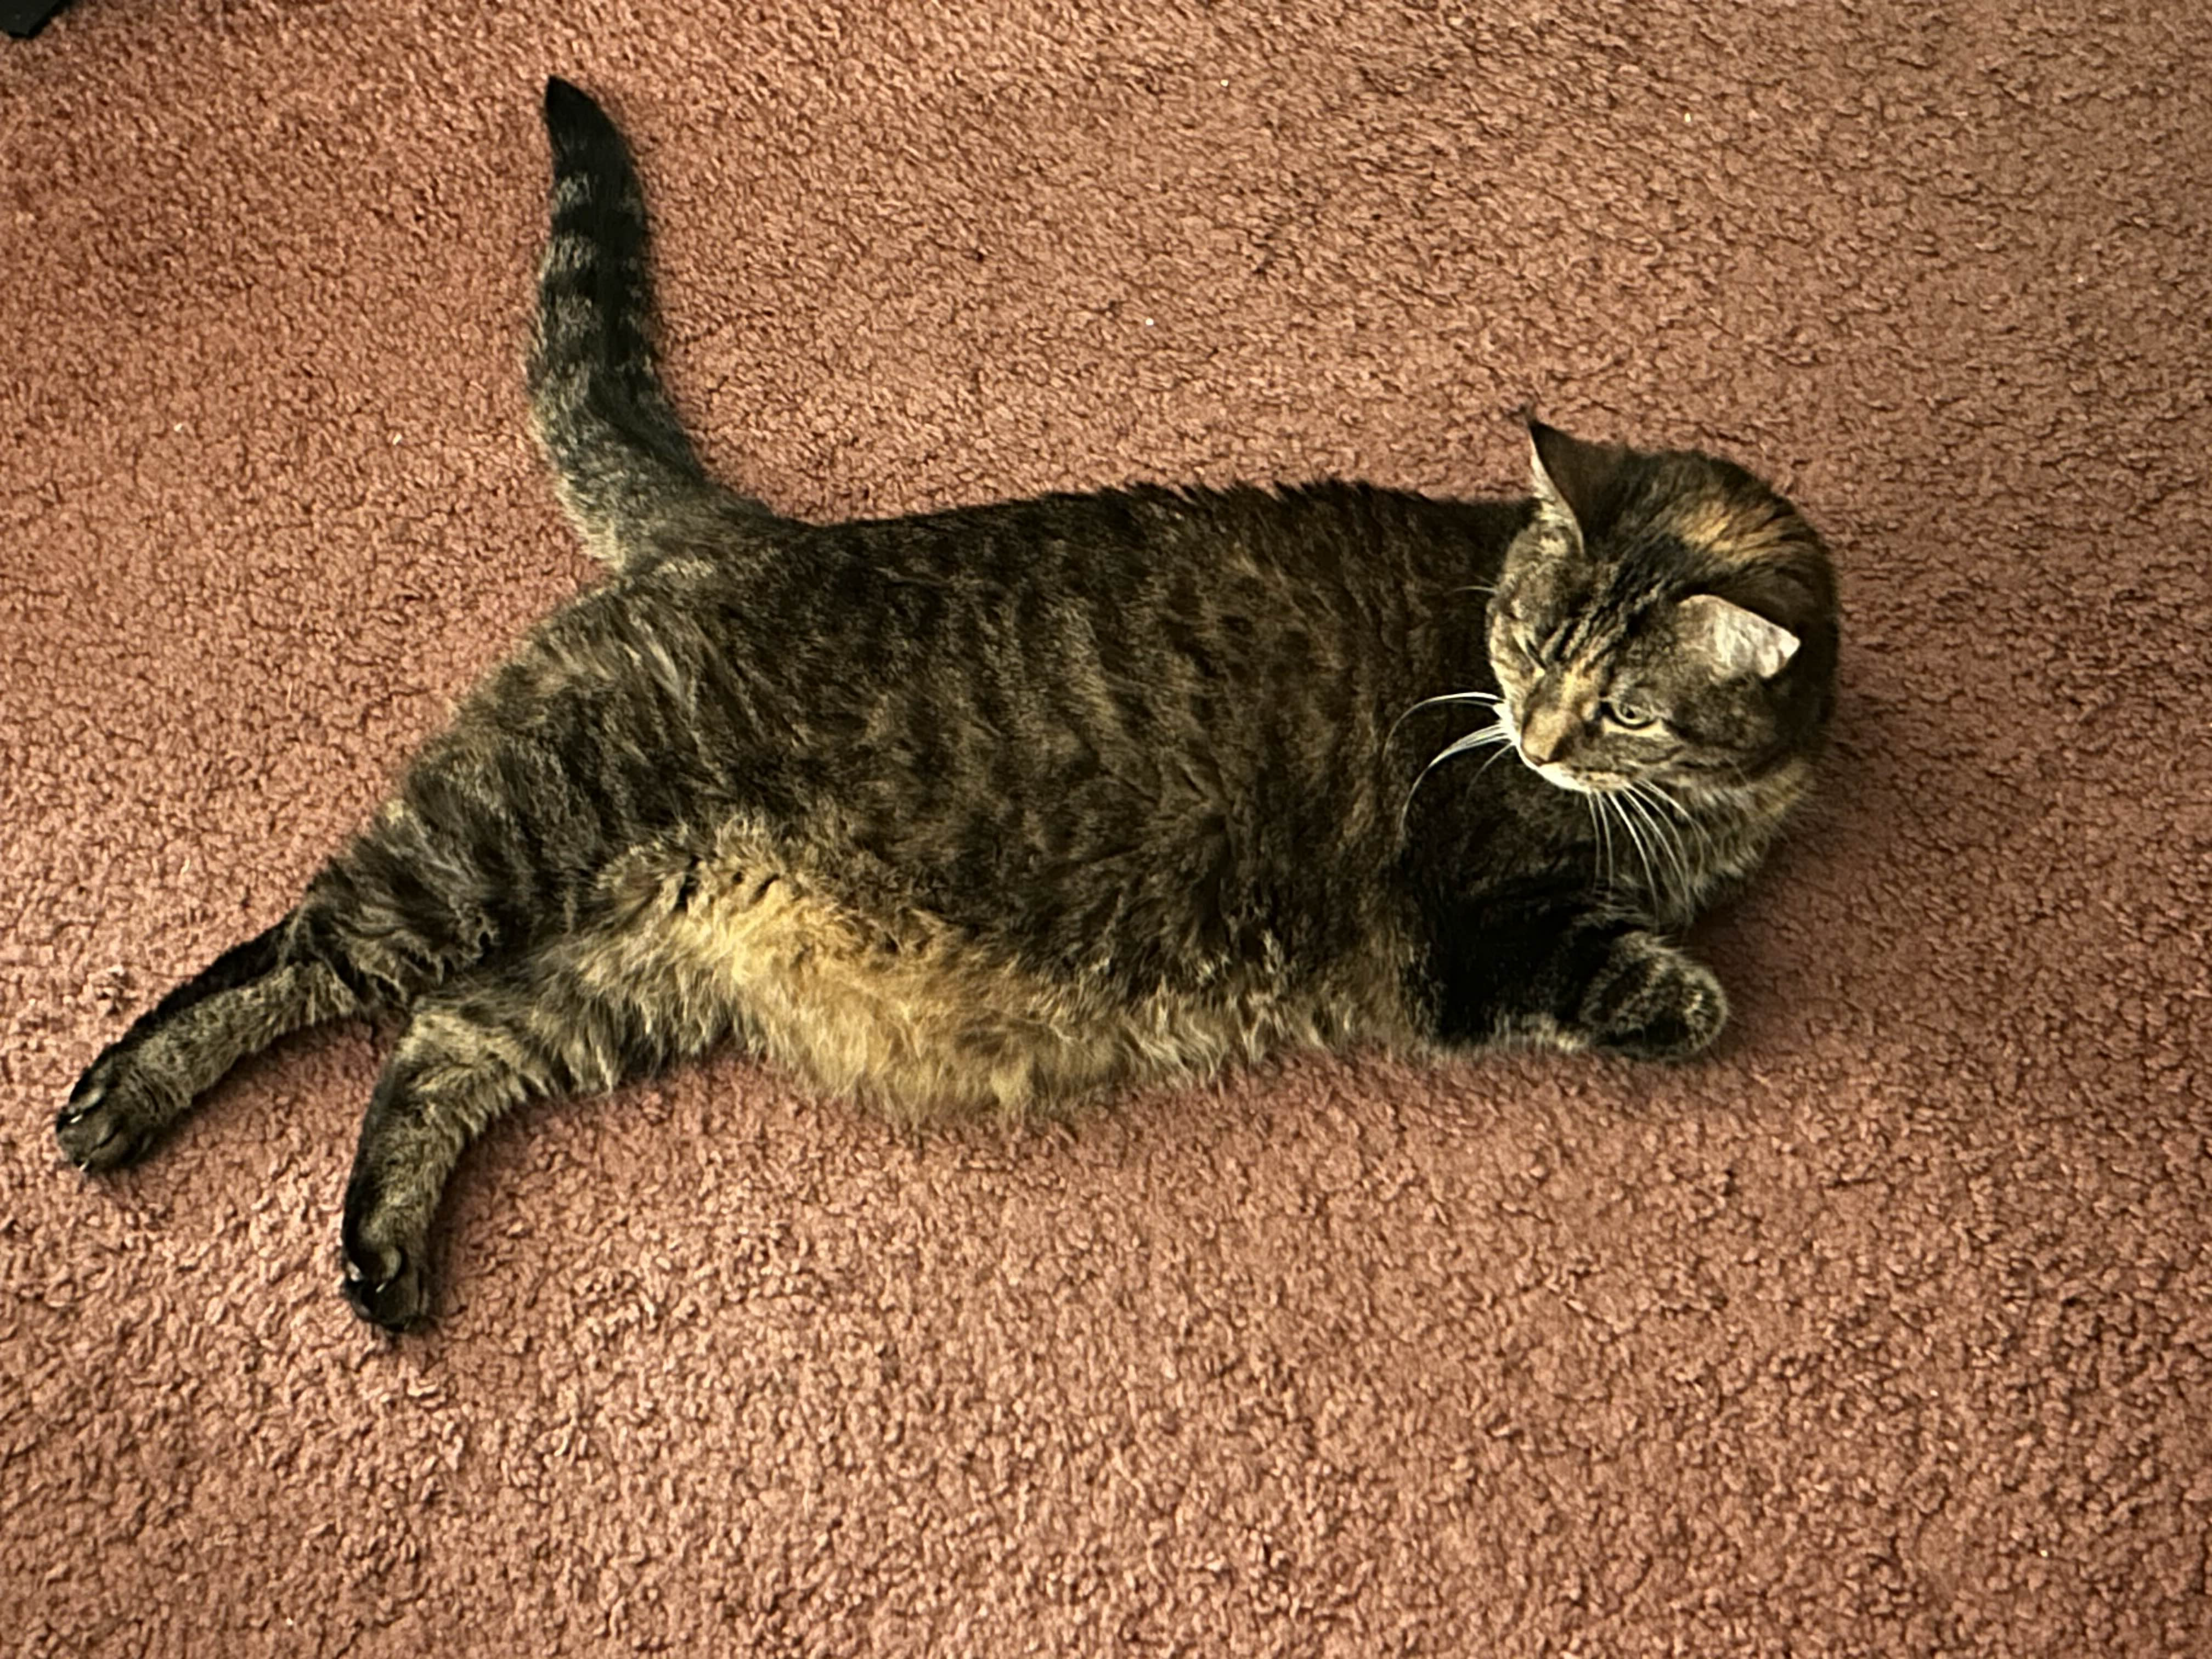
384	1281
117	1111
397	1303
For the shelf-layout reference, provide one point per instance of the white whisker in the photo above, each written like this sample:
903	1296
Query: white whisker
1636	840
1590	808
1709	854
1631	808
1604	816
1651	792
1484	697
1492	734
1664	838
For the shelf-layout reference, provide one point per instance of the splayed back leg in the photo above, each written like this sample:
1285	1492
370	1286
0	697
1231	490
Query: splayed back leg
463	1061
248	998
471	1051
371	933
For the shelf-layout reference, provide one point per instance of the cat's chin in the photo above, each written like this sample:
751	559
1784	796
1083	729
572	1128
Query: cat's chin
1560	778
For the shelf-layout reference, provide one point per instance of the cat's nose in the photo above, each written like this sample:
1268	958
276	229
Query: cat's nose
1547	733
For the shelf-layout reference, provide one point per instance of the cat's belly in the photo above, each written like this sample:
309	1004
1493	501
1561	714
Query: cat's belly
908	1014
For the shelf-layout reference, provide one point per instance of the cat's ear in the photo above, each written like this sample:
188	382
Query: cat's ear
1733	640
1584	482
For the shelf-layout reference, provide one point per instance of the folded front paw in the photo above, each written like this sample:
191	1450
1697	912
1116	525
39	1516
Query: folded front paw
1652	1001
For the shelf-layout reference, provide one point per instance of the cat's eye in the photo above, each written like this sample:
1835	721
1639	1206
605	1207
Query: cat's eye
1630	714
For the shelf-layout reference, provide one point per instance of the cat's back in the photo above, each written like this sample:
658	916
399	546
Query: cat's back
1051	792
1040	681
1186	687
1120	582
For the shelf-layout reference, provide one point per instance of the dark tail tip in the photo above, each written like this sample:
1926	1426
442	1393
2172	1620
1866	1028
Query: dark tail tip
573	117
565	100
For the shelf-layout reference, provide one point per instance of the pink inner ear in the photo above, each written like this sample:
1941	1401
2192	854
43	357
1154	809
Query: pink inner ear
1734	640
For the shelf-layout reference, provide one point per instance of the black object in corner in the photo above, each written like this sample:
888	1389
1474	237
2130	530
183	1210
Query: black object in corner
24	18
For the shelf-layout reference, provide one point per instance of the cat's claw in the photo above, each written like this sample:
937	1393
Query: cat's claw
110	1117
396	1302
385	1282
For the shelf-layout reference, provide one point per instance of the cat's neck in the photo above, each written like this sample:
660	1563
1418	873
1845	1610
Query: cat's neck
1711	839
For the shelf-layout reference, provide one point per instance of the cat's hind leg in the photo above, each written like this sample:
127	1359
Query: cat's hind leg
246	998
471	1051
378	926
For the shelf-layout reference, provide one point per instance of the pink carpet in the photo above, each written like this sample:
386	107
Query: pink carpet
1886	1330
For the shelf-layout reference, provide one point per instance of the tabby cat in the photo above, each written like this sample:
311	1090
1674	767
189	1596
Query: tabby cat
999	806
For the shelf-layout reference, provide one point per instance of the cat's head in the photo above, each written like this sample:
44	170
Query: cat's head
1663	618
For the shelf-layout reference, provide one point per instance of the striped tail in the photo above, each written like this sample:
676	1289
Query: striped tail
626	471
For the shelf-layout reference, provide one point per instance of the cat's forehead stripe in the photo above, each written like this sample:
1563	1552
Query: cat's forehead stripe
1600	623
1734	528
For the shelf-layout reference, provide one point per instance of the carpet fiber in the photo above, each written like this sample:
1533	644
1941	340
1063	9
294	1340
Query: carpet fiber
1886	1329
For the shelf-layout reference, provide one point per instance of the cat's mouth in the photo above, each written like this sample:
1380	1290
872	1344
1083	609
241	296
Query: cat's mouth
1583	783
1556	773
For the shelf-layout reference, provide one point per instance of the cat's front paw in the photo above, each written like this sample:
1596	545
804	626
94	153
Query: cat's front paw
1652	1001
385	1280
117	1109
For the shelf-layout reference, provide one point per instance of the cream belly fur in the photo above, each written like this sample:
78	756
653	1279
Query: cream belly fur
921	1021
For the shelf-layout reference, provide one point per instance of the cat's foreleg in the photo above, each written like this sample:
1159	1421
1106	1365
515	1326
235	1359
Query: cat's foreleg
149	1078
1578	978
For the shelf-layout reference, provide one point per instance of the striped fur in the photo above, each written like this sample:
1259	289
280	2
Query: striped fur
625	470
999	808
